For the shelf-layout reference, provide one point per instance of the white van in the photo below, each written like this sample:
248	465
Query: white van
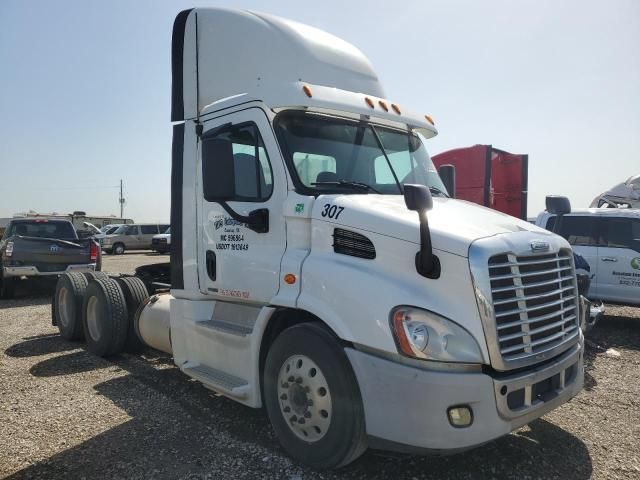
609	239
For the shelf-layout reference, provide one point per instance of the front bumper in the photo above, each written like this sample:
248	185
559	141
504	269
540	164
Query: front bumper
406	407
25	271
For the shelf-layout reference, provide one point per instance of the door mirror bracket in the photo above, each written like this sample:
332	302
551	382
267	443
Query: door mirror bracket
257	220
418	198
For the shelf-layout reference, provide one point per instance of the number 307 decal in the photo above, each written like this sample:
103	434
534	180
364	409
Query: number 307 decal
331	211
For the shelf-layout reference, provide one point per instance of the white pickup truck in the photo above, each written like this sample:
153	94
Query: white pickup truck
319	268
609	240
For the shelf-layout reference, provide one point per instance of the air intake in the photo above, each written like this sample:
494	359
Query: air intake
350	243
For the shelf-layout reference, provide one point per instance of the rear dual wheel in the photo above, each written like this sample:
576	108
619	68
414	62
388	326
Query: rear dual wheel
67	305
105	319
312	397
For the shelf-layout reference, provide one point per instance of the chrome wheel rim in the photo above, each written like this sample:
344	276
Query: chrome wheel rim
65	307
304	398
92	319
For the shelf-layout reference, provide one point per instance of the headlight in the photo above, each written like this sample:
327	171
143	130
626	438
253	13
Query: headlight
422	334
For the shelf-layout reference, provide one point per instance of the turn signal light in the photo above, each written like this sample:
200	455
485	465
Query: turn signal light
307	91
290	279
429	119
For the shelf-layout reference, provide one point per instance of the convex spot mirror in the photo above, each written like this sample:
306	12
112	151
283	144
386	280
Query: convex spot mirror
417	197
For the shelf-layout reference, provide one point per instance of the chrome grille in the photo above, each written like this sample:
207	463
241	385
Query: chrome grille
535	302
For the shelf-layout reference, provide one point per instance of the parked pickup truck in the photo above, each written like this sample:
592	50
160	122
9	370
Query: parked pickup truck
43	248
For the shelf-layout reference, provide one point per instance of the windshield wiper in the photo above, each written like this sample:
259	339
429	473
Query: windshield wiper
348	183
437	191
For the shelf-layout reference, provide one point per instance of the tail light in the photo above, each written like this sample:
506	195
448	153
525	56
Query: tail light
9	250
93	251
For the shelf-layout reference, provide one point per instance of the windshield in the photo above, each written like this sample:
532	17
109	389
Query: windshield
43	229
331	154
110	230
120	230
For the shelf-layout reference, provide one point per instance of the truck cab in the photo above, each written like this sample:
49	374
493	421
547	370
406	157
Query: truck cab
319	267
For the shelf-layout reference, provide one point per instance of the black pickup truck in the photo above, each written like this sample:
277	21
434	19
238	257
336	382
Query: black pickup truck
43	248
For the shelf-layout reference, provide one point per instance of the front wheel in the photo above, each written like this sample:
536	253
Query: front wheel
118	249
312	398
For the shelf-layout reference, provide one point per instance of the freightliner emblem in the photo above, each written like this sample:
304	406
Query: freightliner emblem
539	246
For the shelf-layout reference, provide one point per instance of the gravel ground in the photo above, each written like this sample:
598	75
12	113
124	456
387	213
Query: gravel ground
67	414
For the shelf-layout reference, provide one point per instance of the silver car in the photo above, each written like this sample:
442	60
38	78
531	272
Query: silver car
132	237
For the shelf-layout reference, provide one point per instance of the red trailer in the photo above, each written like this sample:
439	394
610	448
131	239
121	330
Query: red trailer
489	176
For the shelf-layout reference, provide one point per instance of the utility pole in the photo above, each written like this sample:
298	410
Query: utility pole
121	200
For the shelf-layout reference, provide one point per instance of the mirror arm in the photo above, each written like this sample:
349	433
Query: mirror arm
257	220
427	264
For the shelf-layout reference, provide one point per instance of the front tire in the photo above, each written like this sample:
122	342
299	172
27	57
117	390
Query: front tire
118	249
312	398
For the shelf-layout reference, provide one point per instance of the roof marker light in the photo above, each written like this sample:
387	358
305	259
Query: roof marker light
429	119
396	108
307	91
369	102
383	105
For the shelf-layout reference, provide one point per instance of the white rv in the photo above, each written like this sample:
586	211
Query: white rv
320	269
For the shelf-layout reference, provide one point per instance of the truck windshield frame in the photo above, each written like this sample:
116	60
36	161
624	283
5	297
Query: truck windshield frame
331	154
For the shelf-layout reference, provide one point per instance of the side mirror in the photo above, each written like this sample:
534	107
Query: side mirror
558	205
218	170
418	198
448	176
219	181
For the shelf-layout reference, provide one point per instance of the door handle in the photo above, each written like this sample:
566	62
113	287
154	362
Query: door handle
211	264
609	259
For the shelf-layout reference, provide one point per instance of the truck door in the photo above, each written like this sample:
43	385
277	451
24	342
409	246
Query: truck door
619	260
237	263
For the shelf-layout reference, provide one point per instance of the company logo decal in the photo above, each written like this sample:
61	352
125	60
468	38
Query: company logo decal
539	246
299	207
635	263
54	248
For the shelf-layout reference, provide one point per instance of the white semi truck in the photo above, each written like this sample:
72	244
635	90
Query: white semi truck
319	268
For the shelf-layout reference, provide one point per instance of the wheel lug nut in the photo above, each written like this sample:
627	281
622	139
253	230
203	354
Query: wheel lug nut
293	418
307	414
310	402
301	421
286	409
307	389
283	396
285	385
299	380
291	378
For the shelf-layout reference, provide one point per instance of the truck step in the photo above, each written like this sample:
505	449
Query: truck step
226	383
227	327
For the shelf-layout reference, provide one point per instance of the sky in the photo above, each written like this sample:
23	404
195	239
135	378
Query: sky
85	90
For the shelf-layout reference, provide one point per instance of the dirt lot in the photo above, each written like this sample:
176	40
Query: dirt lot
67	414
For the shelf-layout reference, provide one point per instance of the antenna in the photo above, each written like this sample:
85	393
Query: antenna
121	201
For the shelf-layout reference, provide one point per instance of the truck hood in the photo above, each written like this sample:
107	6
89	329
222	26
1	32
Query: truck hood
454	224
